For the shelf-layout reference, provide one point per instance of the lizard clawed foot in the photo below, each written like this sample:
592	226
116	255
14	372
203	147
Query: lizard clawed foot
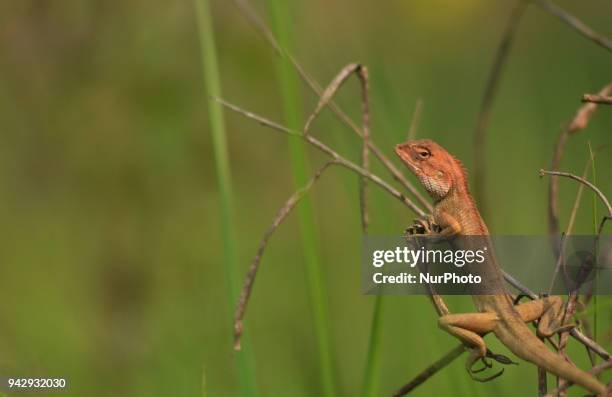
419	227
485	365
422	226
476	355
500	358
487	378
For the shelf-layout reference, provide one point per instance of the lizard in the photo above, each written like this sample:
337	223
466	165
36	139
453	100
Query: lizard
456	214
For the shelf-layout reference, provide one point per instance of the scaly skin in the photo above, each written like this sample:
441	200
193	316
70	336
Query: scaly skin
455	212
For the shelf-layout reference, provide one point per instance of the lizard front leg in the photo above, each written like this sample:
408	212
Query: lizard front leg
448	224
550	312
468	328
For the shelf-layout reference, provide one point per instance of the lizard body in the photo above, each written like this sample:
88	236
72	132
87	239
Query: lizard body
456	214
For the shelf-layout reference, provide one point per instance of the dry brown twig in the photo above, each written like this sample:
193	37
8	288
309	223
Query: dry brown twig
578	123
254	266
430	371
325	100
594	188
569	228
574	23
414	122
570	308
542	386
484	114
599	99
572	301
362	72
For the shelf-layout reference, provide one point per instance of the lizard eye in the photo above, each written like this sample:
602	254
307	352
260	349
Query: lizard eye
423	153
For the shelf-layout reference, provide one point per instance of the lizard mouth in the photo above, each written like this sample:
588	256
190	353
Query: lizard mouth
402	152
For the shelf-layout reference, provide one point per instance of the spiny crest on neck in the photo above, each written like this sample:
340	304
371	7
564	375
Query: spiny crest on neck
459	174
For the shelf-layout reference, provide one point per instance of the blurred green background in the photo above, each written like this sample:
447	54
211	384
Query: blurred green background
111	266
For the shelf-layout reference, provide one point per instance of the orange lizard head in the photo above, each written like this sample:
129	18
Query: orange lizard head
438	171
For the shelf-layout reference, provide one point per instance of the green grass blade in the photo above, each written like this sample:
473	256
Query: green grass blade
212	83
371	375
290	94
595	227
204	385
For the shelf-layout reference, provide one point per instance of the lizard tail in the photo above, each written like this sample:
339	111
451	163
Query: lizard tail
527	346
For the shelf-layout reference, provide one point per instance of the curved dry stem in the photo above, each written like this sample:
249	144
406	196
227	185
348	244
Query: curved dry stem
599	193
579	122
484	114
333	87
327	96
569	228
282	214
599	99
365	151
542	386
430	371
575	23
414	122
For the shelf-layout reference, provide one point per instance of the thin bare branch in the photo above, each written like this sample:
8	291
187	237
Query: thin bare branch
590	343
572	219
575	23
601	196
484	114
416	118
254	266
579	122
542	387
332	153
518	285
260	120
569	228
365	151
439	304
603	223
333	87
600	99
254	18
436	299
327	96
572	300
570	310
430	371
